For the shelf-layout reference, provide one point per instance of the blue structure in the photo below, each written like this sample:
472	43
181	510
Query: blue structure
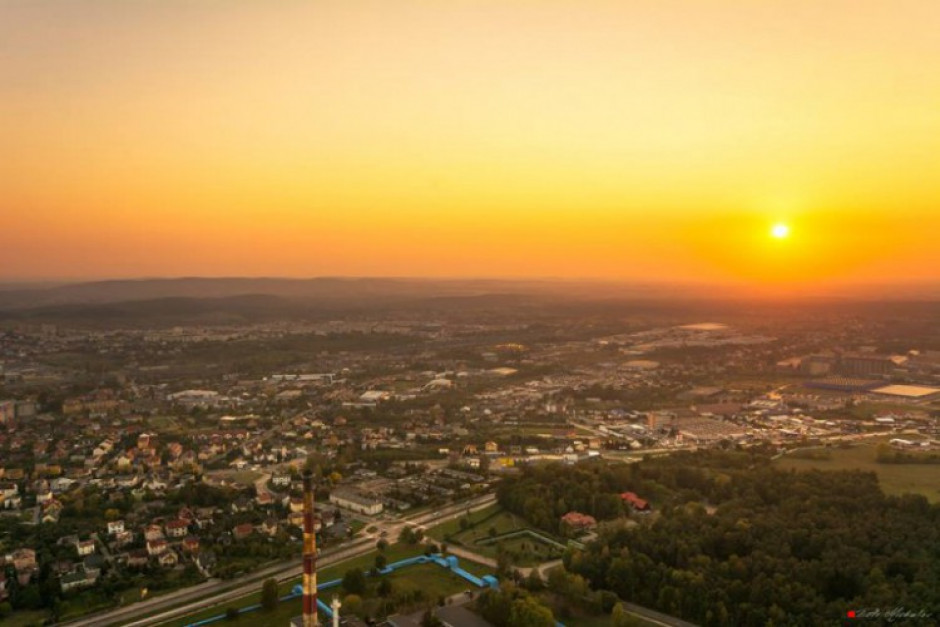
449	563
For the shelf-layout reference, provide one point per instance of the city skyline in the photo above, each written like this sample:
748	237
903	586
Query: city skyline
603	140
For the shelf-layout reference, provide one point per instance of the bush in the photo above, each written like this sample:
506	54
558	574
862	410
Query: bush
354	581
269	596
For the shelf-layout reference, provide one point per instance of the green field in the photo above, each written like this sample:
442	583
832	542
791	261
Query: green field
524	550
453	526
894	478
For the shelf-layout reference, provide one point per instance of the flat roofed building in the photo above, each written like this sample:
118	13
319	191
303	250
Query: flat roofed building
919	392
356	502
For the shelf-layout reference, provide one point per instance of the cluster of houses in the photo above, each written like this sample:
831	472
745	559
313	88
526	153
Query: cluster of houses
578	522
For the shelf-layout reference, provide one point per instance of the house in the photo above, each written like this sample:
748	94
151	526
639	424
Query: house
242	531
638	504
269	526
93	565
241	504
122	538
579	521
85	547
153	532
4	593
8	490
138	559
156	547
44	497
78	579
62	484
176	528
168	559
23	559
296	504
191	544
51	512
61	567
115	527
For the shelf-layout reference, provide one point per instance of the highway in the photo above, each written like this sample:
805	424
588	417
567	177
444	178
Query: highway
211	593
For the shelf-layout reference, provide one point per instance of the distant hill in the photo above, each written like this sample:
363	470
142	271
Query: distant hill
161	302
319	289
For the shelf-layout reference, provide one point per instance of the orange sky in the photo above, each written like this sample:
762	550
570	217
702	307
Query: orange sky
625	140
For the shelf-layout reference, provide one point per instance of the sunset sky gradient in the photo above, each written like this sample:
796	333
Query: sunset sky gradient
654	141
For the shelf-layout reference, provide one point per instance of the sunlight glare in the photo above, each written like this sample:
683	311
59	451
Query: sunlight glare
780	231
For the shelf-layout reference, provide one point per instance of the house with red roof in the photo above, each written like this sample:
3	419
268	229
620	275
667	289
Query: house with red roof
579	521
638	504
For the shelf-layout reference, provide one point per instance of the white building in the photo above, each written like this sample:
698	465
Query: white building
356	502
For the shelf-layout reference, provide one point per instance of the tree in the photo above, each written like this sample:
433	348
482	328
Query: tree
534	581
527	612
380	562
381	545
384	588
231	613
352	604
269	595
354	581
621	618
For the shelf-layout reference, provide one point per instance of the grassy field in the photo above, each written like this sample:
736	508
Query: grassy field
894	478
526	551
453	526
434	580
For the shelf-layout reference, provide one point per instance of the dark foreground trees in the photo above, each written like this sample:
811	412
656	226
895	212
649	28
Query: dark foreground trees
771	545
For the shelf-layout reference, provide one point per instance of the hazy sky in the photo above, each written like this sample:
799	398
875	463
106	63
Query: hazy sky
654	140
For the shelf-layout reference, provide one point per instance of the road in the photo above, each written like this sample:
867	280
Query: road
212	593
655	617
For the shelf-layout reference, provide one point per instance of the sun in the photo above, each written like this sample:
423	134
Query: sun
780	231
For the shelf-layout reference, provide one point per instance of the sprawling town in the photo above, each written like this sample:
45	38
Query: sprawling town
136	461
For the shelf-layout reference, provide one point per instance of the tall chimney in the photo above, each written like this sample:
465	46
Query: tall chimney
310	555
335	606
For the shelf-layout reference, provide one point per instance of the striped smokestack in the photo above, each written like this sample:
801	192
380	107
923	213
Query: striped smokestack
310	555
